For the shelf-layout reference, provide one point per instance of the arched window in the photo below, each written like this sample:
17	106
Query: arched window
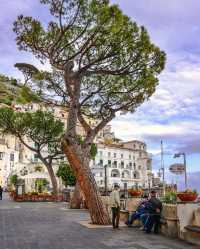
115	173
136	175
125	174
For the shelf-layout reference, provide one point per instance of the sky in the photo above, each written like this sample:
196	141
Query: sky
173	112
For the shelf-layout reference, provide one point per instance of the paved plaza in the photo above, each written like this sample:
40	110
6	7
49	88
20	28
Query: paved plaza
53	226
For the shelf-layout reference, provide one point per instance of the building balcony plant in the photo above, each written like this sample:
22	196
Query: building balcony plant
188	195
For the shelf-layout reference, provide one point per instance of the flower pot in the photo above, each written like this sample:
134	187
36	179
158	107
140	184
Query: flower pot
135	193
187	196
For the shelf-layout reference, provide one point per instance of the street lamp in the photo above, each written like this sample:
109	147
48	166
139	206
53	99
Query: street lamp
184	162
162	168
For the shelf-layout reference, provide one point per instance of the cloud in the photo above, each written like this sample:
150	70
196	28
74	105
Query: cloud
174	25
172	114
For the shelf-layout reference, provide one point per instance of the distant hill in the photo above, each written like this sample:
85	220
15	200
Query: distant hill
8	90
12	91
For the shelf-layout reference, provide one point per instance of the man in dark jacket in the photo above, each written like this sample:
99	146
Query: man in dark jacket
1	192
152	215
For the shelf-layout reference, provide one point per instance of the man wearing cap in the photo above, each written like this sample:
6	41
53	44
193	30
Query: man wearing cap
153	212
115	205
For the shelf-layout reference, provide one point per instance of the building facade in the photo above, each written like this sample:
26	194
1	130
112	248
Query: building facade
126	164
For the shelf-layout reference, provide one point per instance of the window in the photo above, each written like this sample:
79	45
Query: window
20	157
140	154
122	164
115	164
101	162
122	155
109	163
101	182
35	158
1	155
130	165
101	174
129	156
115	173
36	145
115	155
2	141
12	157
108	154
139	167
134	165
101	153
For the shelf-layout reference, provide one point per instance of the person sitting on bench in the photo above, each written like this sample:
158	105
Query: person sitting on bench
137	214
151	216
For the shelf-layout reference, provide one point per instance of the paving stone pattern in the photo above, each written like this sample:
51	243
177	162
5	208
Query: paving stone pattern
52	226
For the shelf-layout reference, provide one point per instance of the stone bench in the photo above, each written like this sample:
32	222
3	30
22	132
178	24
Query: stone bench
192	234
195	229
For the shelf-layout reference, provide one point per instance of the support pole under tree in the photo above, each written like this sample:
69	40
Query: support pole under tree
105	180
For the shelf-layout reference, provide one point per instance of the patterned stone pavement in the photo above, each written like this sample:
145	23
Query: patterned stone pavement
53	226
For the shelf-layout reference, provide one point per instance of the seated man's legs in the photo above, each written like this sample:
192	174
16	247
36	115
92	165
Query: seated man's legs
148	223
143	218
156	223
133	217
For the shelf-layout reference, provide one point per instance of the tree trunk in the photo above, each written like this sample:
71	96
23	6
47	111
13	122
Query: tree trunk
77	198
52	177
99	214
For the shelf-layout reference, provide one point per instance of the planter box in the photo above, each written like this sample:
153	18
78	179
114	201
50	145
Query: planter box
187	197
134	193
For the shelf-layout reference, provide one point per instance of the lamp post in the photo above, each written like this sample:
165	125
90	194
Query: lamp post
184	162
105	179
162	168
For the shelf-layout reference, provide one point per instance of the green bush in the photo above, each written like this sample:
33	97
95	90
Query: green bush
170	197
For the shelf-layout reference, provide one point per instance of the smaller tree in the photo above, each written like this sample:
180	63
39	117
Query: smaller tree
42	129
41	184
14	179
66	174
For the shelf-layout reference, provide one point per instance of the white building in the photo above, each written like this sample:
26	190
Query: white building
127	164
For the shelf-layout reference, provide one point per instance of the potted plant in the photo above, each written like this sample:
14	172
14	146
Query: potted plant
170	197
187	195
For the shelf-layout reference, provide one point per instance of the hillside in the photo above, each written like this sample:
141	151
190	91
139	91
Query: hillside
12	91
